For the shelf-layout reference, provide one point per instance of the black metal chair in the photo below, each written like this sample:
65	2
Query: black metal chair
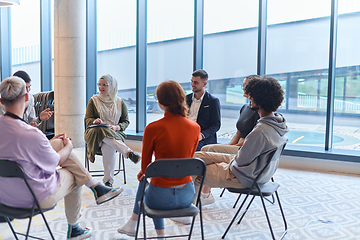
11	169
173	168
265	190
237	200
99	173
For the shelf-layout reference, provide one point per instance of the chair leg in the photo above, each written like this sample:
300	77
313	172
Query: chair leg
144	226
234	218
201	225
282	214
28	228
11	227
123	167
47	225
245	211
237	200
221	194
86	159
267	218
191	227
137	227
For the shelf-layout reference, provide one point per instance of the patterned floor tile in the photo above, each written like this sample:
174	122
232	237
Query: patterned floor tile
316	206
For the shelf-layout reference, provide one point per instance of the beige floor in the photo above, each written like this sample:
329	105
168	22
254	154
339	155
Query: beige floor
317	206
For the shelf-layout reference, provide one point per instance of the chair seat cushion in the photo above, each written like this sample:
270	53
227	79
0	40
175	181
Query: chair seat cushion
19	213
267	189
183	212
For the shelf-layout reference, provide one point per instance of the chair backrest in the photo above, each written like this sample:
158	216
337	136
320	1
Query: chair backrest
273	156
42	101
11	169
50	104
176	168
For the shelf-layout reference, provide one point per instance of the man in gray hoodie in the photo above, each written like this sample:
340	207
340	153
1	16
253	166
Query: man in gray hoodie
240	170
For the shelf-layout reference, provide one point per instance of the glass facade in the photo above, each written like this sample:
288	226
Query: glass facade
347	78
116	41
297	54
25	41
230	50
170	31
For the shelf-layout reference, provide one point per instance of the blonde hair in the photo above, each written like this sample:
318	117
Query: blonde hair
11	88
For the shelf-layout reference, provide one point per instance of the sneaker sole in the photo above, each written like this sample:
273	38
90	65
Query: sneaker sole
207	201
110	195
130	234
182	221
136	161
83	236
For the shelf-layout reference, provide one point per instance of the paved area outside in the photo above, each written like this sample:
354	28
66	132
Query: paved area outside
307	130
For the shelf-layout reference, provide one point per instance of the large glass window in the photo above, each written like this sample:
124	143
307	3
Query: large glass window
230	54
170	30
25	30
116	52
347	81
297	54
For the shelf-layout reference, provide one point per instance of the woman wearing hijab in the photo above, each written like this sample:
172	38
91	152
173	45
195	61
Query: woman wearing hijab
106	119
173	136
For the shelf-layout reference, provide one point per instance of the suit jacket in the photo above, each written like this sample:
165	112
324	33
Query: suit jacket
208	118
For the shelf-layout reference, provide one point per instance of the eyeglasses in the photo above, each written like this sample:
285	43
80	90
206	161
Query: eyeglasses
104	85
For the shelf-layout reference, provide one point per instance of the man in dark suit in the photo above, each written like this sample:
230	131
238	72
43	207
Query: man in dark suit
203	109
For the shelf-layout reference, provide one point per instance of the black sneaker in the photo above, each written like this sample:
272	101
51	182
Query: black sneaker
103	194
135	158
77	233
108	184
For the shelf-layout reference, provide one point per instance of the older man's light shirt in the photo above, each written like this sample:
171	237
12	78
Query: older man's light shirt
194	108
29	147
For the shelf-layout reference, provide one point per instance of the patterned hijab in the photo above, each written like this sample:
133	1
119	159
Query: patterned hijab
109	105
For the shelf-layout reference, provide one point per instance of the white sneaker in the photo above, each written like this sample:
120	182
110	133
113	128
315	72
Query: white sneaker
208	200
129	228
183	220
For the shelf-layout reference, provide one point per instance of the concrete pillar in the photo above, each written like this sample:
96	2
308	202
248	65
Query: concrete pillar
69	68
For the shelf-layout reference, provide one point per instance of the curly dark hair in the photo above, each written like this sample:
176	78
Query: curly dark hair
265	92
249	78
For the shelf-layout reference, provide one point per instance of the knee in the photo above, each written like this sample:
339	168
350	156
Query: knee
205	148
198	155
57	144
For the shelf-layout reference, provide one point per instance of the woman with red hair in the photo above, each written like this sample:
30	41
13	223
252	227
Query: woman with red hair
173	136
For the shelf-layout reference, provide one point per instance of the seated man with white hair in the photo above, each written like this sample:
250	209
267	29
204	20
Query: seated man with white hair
39	157
29	113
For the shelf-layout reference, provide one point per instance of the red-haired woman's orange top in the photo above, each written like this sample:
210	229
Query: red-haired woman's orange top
173	136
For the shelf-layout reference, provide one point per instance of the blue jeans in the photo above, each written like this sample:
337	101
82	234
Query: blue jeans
164	198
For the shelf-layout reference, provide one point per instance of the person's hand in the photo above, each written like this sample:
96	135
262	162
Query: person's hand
200	137
33	124
97	121
59	136
67	141
46	114
115	127
140	176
